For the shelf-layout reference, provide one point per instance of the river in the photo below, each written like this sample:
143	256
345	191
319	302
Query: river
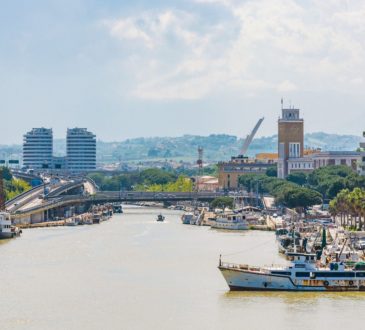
132	272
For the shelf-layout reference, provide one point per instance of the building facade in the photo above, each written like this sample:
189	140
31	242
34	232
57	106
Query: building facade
327	158
361	166
81	150
290	139
38	148
229	172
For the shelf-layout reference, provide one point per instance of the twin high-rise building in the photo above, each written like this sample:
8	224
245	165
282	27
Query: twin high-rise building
80	151
38	148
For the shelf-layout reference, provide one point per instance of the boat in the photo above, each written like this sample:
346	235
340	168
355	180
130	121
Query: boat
230	221
190	218
74	221
117	208
96	218
6	228
302	274
160	217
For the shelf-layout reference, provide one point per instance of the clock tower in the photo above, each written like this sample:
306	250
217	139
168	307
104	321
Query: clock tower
290	139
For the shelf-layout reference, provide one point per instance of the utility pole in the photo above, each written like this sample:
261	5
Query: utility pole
2	192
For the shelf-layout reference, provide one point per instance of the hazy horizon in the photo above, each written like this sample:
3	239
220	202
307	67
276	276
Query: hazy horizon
169	68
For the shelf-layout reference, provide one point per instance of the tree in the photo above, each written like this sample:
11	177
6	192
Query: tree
6	173
222	202
299	178
272	171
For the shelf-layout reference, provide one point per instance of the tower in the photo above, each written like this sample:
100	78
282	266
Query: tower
290	139
81	150
38	148
200	161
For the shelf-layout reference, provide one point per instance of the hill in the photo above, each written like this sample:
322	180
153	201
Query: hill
216	147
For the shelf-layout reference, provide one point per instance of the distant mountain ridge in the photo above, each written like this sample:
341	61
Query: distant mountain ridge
216	147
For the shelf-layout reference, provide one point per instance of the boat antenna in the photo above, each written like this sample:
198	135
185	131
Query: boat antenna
343	247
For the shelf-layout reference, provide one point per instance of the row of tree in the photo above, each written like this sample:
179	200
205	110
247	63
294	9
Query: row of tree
12	186
286	193
147	180
329	180
349	206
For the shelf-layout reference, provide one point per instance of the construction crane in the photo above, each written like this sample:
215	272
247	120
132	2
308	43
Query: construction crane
250	137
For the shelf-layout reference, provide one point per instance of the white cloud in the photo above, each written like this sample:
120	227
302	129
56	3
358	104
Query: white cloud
258	45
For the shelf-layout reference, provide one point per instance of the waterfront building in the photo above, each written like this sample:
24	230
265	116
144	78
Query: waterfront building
327	158
207	183
229	172
38	148
290	140
81	150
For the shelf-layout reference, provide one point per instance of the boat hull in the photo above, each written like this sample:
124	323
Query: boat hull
241	280
236	226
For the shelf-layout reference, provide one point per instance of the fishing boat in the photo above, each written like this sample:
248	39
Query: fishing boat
160	218
74	221
6	228
302	274
187	218
230	221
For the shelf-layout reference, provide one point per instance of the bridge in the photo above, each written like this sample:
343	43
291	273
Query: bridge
49	207
57	198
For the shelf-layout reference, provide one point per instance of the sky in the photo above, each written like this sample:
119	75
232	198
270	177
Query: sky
132	68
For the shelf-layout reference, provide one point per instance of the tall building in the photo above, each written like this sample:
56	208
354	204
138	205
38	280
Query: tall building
361	165
81	150
290	139
38	148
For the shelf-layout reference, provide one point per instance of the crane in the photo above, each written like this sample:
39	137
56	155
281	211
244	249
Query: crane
250	137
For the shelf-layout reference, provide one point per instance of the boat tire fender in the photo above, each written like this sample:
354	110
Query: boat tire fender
326	283
351	282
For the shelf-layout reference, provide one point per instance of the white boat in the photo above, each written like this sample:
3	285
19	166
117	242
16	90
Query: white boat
230	221
74	221
301	275
186	218
189	218
6	229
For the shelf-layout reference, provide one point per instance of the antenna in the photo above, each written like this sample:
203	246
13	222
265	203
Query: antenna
200	160
282	102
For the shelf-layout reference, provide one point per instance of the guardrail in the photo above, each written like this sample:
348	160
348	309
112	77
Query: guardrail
10	201
64	188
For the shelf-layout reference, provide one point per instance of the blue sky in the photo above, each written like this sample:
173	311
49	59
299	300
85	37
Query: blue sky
164	68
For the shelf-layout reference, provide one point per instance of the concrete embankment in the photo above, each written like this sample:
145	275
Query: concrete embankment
43	224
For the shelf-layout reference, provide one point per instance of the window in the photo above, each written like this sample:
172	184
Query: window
294	150
302	274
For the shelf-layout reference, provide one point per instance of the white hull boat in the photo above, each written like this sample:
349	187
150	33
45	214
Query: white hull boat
230	221
301	275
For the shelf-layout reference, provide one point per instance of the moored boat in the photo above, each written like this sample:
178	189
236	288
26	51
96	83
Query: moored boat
230	221
6	228
160	218
302	274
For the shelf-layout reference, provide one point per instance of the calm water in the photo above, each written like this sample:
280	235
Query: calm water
134	273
